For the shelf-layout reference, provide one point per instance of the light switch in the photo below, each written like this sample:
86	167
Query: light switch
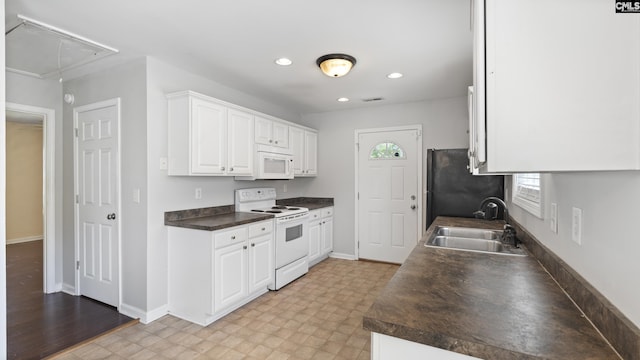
576	225
553	218
136	196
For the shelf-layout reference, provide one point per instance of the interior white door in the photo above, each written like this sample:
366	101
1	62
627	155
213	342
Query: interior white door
97	166
389	198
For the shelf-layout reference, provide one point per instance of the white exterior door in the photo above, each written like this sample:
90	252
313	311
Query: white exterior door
389	201
97	203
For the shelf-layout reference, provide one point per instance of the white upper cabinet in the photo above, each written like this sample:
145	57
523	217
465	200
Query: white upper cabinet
240	156
560	87
304	146
207	137
273	133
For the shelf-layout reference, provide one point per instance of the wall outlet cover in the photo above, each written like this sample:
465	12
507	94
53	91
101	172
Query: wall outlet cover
553	218
576	225
198	193
164	163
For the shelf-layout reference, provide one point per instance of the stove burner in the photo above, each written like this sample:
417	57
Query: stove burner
293	208
274	211
257	210
279	207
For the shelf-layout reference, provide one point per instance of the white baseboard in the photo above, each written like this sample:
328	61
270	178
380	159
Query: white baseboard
68	289
144	316
342	256
24	239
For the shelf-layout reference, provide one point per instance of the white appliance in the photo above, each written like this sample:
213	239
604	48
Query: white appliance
291	238
271	163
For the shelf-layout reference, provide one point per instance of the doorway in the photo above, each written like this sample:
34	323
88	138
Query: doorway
388	192
24	114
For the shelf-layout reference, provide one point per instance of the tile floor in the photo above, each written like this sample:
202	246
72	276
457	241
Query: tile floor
319	316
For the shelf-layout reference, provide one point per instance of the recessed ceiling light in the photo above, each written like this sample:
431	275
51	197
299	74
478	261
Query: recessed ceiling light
343	99
283	62
395	75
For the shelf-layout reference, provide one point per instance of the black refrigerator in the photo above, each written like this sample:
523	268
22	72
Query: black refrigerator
452	190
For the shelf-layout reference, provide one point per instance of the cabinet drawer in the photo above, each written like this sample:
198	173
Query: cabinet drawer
229	237
315	215
327	212
260	229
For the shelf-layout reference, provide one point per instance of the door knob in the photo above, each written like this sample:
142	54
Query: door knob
111	216
413	207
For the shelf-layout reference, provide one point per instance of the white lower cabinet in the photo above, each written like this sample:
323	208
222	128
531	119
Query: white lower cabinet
320	234
384	347
214	273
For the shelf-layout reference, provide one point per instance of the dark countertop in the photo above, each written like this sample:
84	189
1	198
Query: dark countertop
211	219
484	305
312	203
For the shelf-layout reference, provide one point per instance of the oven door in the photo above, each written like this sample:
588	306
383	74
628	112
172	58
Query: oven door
292	241
274	166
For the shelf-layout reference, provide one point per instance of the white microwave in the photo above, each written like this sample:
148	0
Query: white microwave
273	166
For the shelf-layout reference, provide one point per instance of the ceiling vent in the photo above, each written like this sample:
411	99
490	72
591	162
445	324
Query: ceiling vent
373	99
40	50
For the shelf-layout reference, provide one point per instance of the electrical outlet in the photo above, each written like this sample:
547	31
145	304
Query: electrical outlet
284	188
198	193
553	218
136	196
576	225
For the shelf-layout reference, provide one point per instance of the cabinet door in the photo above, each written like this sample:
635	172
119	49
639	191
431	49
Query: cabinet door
563	96
327	235
240	147
208	137
230	275
263	128
296	140
314	239
261	268
310	153
280	134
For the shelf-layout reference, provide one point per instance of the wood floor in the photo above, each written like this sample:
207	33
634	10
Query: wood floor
38	324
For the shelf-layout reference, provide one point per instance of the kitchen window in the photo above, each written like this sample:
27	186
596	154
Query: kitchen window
527	192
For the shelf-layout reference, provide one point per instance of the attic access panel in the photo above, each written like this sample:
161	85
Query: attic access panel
41	50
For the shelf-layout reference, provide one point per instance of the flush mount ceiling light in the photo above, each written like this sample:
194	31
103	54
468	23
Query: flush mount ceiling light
395	75
336	65
343	99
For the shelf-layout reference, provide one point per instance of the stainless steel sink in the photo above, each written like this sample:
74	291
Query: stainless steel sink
474	233
472	239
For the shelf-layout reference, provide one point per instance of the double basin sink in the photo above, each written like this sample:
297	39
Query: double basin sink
472	239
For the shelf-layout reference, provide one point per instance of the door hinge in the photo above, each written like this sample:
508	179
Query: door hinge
77	199
358	244
358	195
76	131
78	265
358	146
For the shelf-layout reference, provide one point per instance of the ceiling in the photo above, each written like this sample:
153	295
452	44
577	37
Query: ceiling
235	43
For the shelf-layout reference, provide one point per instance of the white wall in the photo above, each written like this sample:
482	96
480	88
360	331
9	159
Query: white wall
44	93
170	193
128	83
444	125
608	256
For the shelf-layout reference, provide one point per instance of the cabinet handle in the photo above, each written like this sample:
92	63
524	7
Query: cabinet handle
233	237
276	141
270	141
253	245
263	229
245	247
222	168
230	169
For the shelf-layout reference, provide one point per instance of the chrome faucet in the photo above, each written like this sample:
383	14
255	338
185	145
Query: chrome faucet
509	233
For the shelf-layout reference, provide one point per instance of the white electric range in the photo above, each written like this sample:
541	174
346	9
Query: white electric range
291	240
